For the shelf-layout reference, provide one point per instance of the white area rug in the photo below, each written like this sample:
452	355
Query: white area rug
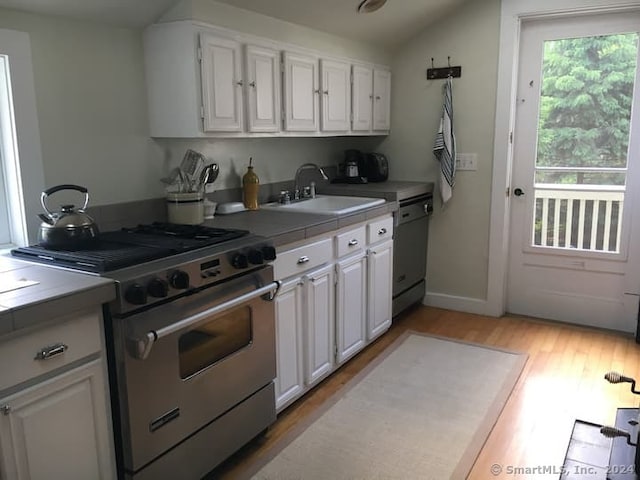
422	410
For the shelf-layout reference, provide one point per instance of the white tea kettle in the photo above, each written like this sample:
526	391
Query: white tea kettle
70	228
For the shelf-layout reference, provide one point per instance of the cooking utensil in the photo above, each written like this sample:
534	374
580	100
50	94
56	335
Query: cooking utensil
70	228
208	175
191	162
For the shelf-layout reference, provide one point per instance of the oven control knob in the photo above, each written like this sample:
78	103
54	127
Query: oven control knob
136	294
239	260
179	280
158	288
255	257
268	253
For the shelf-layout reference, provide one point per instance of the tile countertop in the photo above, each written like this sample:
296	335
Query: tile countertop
288	227
56	293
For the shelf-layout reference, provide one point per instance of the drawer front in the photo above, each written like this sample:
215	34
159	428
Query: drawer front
49	348
300	259
351	241
380	230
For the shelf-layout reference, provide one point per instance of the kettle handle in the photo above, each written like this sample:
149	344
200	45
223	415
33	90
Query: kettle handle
57	188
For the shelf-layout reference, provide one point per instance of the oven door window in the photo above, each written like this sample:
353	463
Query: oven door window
211	342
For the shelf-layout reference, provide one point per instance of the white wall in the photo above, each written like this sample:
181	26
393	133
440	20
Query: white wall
92	109
459	234
91	106
224	15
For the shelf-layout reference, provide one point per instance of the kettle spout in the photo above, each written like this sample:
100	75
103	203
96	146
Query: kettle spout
46	219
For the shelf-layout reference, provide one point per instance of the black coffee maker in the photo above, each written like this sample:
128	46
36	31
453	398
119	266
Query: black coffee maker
351	168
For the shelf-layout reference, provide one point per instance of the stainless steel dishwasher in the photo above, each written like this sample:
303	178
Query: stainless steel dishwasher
410	251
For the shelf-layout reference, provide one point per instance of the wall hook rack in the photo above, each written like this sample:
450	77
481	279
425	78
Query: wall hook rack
434	73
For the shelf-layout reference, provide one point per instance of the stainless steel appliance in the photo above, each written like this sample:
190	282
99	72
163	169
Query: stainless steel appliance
410	251
191	343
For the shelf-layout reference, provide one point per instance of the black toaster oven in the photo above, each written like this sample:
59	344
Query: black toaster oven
375	167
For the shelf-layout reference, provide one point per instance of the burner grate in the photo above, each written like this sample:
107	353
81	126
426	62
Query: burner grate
103	257
132	246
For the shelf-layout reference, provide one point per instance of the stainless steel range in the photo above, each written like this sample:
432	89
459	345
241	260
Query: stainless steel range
191	343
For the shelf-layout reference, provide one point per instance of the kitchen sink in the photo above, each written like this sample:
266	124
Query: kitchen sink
326	204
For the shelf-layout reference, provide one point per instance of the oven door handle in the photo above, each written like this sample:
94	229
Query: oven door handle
142	345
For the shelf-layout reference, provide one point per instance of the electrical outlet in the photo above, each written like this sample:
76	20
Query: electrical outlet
467	161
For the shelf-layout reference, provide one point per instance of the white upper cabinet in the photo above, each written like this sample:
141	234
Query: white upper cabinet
207	81
362	99
381	100
371	105
262	89
300	92
221	84
336	95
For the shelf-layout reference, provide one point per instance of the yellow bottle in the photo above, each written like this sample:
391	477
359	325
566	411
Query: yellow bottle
250	187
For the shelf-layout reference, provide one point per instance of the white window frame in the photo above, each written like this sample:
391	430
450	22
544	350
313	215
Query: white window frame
21	155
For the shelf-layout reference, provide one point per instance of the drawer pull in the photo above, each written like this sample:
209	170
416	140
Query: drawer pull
303	259
353	243
5	409
51	351
382	231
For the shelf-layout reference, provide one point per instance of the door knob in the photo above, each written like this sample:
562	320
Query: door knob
518	192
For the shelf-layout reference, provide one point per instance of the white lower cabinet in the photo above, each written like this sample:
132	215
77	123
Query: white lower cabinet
335	298
55	419
318	323
351	305
380	269
304	333
289	382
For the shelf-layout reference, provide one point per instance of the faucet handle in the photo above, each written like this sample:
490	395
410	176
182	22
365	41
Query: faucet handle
285	197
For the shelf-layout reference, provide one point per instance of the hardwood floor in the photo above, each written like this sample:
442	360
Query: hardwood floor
562	381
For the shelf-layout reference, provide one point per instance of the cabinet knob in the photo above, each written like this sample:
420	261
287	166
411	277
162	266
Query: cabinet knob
303	259
353	243
382	231
252	84
239	83
316	91
5	409
326	92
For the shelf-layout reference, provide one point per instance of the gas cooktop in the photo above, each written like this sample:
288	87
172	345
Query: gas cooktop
131	246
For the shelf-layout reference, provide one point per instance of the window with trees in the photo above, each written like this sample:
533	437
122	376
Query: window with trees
583	141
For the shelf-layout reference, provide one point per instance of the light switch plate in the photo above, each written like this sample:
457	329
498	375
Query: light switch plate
467	161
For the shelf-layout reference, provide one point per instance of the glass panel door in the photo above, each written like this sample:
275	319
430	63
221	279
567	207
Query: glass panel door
583	141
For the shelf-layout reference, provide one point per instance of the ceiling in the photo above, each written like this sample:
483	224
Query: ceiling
392	25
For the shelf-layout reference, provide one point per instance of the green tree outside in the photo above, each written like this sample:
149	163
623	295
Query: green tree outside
585	107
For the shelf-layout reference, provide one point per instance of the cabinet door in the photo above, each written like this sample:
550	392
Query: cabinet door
336	96
362	98
221	84
58	429
351	306
300	92
289	379
263	89
319	324
381	100
380	276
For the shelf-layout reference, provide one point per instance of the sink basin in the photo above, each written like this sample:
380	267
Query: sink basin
326	205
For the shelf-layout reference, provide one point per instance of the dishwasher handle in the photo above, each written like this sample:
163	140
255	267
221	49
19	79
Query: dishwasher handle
414	209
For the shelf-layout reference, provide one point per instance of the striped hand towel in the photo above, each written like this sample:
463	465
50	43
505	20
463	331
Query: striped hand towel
444	147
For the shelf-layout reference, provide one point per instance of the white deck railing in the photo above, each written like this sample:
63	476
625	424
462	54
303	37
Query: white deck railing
586	217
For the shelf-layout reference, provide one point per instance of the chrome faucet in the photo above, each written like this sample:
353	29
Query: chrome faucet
296	180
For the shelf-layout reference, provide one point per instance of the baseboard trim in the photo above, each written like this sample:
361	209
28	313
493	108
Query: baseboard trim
461	304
